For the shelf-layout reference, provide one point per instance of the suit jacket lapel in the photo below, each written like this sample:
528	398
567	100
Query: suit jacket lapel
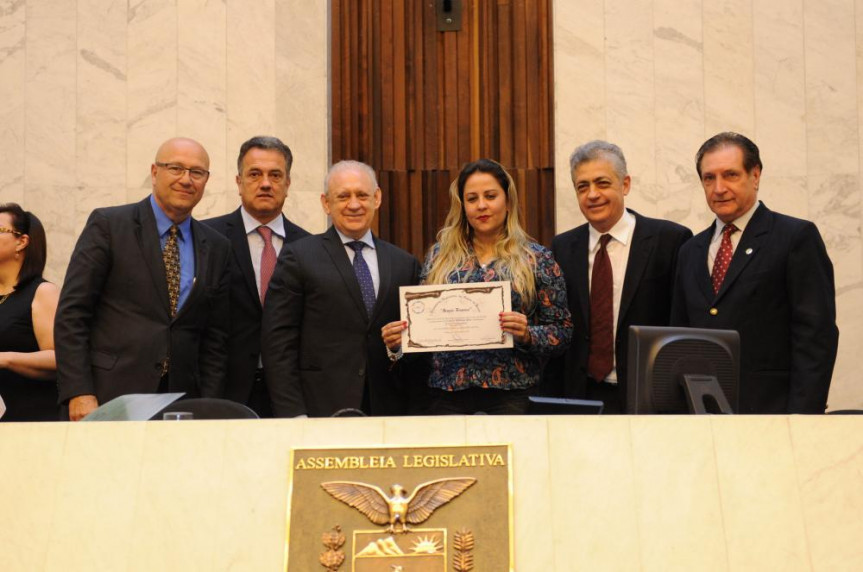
236	232
385	276
579	254
702	273
202	260
334	247
151	250
748	247
640	251
291	232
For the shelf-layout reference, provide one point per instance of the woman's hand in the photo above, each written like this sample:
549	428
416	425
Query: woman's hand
515	323
392	335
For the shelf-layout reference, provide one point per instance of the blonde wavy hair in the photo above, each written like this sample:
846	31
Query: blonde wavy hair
516	260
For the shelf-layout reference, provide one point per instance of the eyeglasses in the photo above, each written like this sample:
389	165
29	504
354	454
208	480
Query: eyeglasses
254	176
177	171
4	230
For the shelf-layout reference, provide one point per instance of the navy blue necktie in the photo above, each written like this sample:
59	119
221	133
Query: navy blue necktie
364	276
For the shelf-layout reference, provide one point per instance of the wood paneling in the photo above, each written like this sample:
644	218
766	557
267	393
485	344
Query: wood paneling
417	104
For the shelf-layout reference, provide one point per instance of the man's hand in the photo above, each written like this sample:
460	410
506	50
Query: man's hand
81	406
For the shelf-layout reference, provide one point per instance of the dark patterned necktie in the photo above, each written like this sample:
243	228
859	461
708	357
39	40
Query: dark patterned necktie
171	257
723	257
600	358
364	276
268	259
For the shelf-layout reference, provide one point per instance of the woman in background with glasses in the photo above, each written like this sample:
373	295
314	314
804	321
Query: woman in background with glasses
483	241
27	307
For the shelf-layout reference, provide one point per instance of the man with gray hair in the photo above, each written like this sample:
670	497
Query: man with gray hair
258	230
328	299
619	270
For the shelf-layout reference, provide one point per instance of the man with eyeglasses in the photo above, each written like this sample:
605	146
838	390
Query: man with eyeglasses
257	230
144	307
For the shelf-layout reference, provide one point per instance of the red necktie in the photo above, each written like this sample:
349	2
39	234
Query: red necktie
268	259
600	358
723	257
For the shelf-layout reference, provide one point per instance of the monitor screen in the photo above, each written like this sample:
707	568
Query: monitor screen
660	357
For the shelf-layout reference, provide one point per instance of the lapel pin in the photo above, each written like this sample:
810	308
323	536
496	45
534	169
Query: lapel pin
748	251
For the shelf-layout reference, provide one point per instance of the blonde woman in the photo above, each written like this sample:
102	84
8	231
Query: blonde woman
482	241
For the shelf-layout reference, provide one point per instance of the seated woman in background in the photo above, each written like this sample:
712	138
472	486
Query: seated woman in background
27	307
482	241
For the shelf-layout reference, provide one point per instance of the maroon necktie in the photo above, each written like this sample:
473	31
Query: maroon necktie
600	360
268	259
723	257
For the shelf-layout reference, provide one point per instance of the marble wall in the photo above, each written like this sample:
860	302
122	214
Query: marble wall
89	88
658	77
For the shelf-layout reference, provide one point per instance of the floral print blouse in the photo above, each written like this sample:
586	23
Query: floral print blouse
549	322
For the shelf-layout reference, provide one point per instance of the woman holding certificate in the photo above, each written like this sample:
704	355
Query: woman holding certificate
482	241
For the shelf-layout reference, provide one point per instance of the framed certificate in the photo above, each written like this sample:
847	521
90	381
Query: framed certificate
451	317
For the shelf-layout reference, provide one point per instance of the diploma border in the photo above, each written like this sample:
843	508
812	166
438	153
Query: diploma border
410	296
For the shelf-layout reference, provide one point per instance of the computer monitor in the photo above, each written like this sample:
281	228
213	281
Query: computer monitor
662	359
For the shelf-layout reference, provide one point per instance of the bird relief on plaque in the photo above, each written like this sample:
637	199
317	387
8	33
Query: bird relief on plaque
417	509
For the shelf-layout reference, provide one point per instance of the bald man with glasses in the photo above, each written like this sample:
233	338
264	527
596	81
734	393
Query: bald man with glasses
144	307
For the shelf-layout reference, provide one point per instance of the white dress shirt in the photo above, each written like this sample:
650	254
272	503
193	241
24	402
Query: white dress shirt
256	241
716	241
618	254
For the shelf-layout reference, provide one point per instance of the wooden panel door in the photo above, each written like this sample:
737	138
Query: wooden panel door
417	103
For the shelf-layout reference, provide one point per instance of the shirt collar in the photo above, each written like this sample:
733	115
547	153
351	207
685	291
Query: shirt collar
621	231
367	238
739	222
251	224
163	223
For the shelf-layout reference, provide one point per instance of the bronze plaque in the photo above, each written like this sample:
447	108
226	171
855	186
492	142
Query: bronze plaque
401	509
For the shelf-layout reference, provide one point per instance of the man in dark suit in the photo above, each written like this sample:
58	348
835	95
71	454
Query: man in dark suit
765	275
633	286
144	305
258	231
329	298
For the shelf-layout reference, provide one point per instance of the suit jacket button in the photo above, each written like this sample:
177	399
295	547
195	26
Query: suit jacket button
713	311
362	372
